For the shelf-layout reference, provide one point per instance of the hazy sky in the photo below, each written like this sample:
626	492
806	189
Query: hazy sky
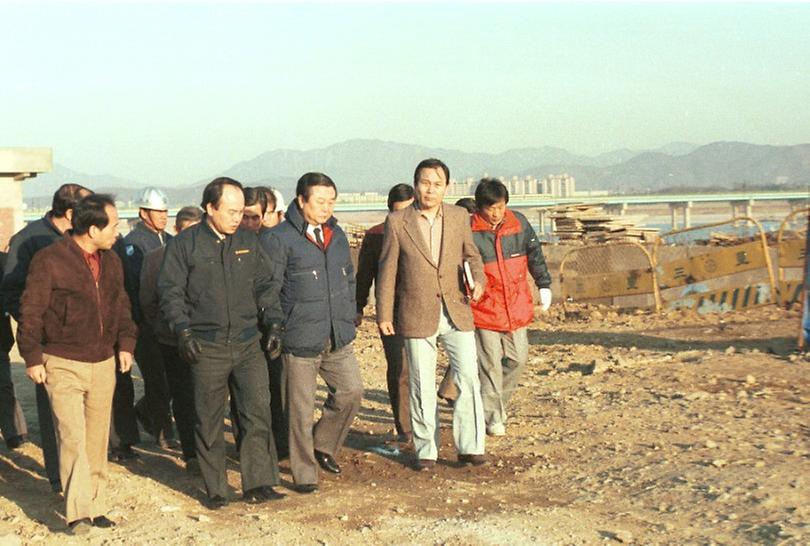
163	93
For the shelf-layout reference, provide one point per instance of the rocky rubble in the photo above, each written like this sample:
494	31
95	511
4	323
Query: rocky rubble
627	428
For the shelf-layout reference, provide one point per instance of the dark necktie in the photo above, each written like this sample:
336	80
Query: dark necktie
318	237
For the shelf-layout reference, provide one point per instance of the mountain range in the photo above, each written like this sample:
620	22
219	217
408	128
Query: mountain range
375	165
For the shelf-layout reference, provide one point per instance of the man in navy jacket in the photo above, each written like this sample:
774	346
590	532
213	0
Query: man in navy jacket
317	306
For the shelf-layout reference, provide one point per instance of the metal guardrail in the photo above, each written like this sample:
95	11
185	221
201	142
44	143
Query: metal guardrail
791	252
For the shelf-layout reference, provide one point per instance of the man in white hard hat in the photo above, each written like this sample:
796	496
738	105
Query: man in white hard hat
274	214
153	409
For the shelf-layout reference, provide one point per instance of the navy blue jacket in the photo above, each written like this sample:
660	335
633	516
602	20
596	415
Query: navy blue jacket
23	245
132	249
317	295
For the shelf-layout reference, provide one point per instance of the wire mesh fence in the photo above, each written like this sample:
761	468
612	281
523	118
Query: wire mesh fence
618	274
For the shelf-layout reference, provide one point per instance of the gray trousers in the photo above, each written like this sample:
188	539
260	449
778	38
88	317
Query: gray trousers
468	413
341	373
501	359
245	362
12	420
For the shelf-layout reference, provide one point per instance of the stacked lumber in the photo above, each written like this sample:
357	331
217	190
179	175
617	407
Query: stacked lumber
590	224
354	233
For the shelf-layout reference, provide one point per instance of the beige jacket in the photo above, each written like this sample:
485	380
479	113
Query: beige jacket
407	273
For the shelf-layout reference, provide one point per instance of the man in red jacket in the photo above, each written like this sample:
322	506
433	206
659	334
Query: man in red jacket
510	251
75	318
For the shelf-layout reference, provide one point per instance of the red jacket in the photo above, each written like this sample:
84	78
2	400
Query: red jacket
510	253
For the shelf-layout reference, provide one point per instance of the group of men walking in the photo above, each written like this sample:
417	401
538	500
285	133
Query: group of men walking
252	302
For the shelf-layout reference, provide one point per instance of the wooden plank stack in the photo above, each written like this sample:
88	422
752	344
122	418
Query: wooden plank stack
590	224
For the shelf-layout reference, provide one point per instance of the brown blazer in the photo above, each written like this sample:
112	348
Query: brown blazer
407	273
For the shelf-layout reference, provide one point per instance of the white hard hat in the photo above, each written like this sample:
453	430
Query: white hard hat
279	200
153	199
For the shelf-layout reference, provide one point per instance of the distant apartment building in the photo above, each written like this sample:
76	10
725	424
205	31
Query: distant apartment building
552	185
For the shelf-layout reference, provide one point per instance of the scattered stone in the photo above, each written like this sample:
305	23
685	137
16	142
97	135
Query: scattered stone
711	444
750	379
689	356
620	535
344	517
719	463
730	350
166	508
202	518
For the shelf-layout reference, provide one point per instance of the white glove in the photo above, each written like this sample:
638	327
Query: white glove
545	298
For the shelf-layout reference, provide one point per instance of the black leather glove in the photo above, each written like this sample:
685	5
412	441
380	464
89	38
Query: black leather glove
272	344
187	346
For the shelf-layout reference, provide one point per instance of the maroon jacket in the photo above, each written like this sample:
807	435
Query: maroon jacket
65	313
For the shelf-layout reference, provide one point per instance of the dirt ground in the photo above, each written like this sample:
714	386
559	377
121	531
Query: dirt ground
627	428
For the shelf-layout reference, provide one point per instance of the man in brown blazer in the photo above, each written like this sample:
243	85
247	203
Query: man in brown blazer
422	268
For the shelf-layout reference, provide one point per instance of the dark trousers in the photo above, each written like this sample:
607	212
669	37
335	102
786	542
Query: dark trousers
258	460
153	409
236	427
12	420
396	376
124	423
341	373
47	433
280	422
181	389
278	412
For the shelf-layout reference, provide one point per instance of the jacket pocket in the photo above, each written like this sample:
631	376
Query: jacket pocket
306	285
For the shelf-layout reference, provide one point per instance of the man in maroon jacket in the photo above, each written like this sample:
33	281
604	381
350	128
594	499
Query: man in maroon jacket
75	317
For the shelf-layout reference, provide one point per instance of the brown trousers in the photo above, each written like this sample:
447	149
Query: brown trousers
81	399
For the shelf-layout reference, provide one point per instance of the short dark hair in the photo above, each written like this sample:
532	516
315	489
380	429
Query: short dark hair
256	195
66	197
269	196
490	191
431	163
467	203
90	211
188	214
399	193
306	182
213	191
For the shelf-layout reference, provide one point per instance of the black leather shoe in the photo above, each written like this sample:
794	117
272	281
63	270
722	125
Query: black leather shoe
16	441
103	521
271	494
475	460
123	452
80	526
254	496
216	502
306	488
424	465
327	462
